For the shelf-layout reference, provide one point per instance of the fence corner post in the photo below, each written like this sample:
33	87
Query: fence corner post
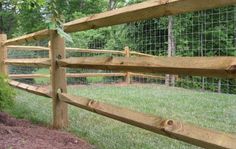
58	80
3	54
127	76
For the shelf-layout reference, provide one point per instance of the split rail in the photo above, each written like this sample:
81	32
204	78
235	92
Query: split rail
224	67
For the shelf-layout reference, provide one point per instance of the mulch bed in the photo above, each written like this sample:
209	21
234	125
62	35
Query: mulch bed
21	134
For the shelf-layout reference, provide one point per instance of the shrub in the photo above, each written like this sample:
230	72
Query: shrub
7	94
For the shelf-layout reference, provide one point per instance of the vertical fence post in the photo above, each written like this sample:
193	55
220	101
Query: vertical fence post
127	77
3	54
58	80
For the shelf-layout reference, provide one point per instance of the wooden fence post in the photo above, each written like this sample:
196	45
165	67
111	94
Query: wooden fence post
58	80
3	54
127	54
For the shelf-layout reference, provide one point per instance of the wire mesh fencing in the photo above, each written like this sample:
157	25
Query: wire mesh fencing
203	33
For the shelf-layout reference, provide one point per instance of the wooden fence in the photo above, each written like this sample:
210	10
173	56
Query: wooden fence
224	67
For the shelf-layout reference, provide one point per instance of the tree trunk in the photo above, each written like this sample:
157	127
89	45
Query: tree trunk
170	79
112	4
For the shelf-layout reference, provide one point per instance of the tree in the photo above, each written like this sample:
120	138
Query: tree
7	17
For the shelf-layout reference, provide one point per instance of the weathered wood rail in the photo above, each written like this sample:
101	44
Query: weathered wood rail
209	66
199	66
30	88
175	129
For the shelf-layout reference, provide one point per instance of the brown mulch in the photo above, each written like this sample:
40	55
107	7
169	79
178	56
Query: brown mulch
21	134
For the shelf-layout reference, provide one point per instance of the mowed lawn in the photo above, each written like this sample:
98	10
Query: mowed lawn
206	109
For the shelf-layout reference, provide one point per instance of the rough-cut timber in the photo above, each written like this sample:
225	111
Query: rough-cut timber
81	75
28	76
95	51
3	54
29	88
36	62
58	80
147	76
28	48
142	11
29	37
127	54
141	54
199	66
174	129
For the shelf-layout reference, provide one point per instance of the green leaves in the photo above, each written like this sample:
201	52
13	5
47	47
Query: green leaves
7	95
60	31
57	19
64	35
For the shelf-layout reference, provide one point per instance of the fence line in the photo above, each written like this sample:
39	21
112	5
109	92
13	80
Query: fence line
219	67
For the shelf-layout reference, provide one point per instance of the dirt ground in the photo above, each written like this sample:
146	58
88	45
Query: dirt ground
21	134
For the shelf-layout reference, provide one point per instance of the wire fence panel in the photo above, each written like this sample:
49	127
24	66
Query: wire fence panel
203	33
14	53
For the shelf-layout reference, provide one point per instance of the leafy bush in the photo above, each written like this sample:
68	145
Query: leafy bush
7	94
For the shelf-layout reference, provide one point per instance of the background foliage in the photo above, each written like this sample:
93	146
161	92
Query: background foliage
7	95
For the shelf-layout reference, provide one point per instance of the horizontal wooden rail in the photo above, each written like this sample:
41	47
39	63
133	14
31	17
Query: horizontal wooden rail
141	54
146	76
42	34
68	75
142	11
27	76
108	52
95	51
199	66
174	129
29	88
28	48
137	12
37	62
81	75
81	50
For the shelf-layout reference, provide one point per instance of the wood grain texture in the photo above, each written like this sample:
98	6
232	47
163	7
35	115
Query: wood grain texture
30	88
34	62
27	48
174	129
82	75
147	76
224	67
142	11
42	34
95	51
3	54
27	76
58	80
127	55
141	54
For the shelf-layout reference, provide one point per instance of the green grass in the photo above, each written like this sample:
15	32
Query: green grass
42	80
206	109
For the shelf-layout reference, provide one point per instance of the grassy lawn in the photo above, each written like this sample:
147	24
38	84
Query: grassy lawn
206	109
